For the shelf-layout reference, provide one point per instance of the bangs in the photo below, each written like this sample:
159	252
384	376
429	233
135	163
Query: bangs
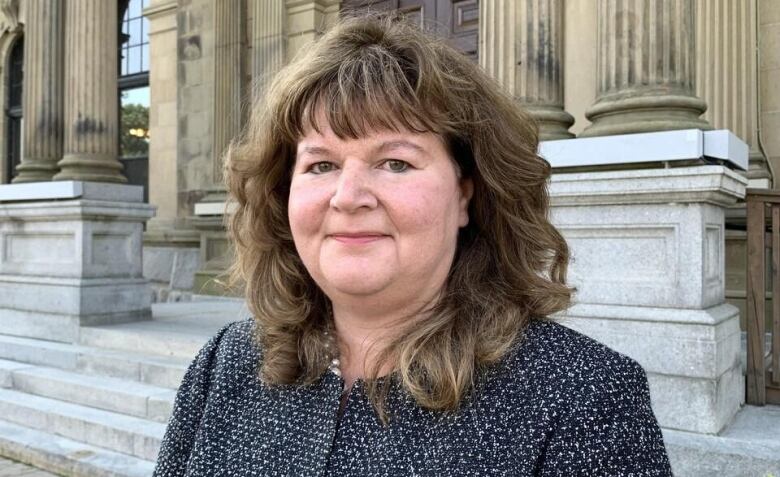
372	89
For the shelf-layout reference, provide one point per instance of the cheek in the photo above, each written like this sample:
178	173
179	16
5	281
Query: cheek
429	210
304	209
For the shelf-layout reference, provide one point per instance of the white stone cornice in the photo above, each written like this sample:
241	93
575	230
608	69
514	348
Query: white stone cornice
703	184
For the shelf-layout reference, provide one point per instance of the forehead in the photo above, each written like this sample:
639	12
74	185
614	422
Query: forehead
324	138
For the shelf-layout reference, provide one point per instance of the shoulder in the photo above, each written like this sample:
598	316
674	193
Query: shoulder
596	402
230	355
564	364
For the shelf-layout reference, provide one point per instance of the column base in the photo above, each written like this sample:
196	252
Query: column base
554	122
35	170
692	358
758	173
90	167
71	257
56	309
645	112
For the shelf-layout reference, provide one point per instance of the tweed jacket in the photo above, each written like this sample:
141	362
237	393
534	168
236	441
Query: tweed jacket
559	403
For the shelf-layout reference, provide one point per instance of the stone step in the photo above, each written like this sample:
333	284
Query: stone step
177	329
112	394
65	456
109	430
749	446
163	371
148	338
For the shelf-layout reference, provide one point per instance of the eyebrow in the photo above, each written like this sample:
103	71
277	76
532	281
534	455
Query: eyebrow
316	151
399	144
384	147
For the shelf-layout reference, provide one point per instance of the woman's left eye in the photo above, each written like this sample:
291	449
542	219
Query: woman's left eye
396	165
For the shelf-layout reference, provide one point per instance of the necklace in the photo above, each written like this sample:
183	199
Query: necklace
331	345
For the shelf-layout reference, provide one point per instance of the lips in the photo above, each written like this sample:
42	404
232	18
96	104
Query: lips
357	238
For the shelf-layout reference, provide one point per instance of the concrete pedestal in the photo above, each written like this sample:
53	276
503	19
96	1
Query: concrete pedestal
171	258
70	255
648	262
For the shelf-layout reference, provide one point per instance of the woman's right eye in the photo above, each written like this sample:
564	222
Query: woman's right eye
321	167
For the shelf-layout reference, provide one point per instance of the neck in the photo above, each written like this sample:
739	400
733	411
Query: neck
365	331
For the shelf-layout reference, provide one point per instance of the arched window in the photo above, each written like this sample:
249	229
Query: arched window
134	92
13	111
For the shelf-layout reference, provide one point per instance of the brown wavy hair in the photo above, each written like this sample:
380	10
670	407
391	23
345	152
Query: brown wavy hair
372	73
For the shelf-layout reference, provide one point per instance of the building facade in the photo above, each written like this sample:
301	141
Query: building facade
582	68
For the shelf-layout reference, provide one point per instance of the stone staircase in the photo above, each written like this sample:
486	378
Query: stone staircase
100	407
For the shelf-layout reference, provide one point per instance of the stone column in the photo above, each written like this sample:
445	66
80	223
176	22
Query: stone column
269	41
769	70
521	46
229	87
42	94
726	74
229	71
646	76
91	96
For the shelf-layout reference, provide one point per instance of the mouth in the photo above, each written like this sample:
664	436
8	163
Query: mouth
357	238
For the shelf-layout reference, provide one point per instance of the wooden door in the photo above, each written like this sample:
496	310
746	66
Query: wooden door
456	20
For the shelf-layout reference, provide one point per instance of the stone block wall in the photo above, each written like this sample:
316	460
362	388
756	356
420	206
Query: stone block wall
195	99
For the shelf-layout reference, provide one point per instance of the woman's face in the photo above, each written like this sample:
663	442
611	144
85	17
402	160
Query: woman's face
377	217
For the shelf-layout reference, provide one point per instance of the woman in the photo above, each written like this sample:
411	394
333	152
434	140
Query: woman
392	233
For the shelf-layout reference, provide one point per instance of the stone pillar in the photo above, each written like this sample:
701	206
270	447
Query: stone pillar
726	74
163	123
171	252
229	88
521	46
91	96
646	76
769	71
229	80
269	41
42	94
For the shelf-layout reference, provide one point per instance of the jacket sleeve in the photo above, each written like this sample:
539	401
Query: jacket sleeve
188	410
610	431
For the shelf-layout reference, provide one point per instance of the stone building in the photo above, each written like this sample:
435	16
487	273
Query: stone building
582	68
98	93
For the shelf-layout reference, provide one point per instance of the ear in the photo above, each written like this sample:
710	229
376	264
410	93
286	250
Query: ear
466	192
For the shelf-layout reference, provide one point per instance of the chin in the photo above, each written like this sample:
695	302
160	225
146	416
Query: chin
354	284
357	279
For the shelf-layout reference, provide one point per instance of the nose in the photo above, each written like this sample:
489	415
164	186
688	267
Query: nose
353	191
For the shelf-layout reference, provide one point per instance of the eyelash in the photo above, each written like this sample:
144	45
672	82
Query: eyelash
406	166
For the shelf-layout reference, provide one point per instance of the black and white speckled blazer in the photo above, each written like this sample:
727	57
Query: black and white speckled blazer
558	404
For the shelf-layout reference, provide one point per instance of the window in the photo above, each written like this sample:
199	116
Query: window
13	112
134	48
134	93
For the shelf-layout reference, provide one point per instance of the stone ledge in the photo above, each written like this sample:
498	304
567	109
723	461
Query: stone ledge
709	184
749	446
663	146
57	190
710	316
77	209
